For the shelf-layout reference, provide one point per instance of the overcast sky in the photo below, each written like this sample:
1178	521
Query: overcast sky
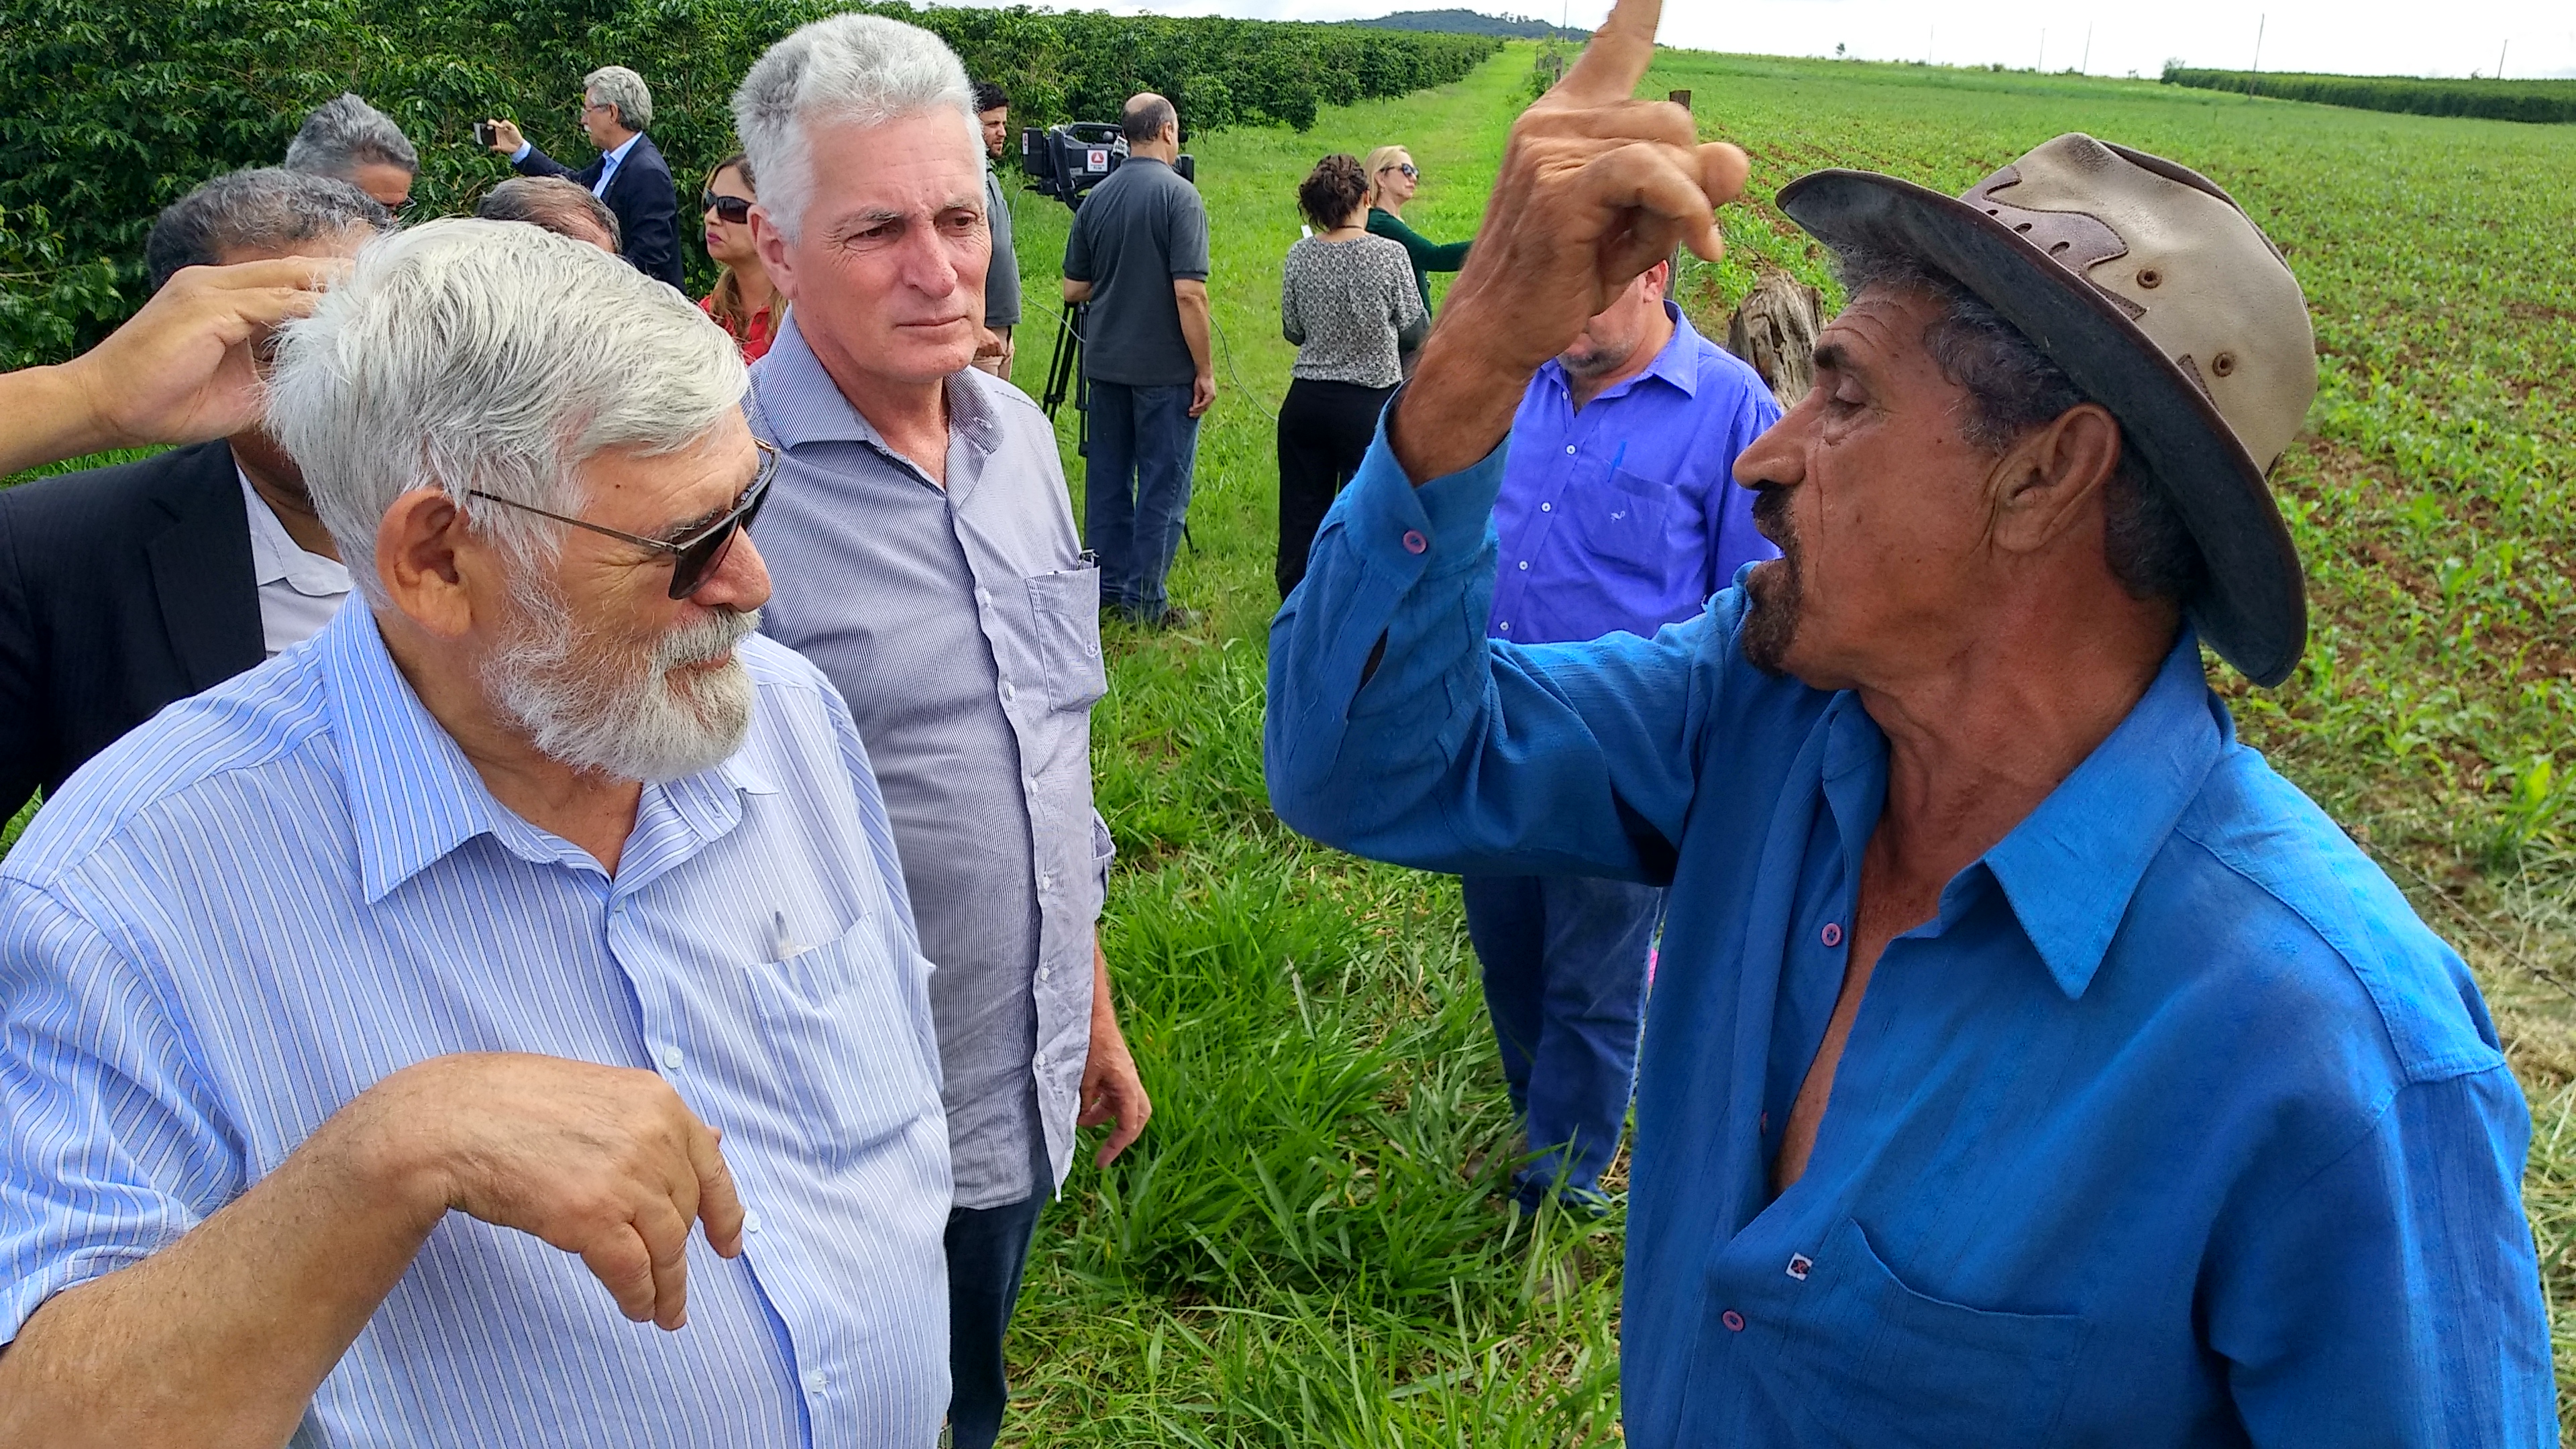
2360	37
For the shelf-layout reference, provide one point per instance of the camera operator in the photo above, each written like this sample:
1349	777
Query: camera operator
1139	256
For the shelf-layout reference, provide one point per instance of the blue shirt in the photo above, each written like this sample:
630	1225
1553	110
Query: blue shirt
274	894
2173	1127
1626	515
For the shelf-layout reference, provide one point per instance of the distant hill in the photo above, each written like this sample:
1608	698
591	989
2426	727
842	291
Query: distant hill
1469	22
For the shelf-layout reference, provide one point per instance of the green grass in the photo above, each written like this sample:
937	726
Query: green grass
1304	1250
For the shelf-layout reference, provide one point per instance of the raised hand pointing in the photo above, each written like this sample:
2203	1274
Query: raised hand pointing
1595	187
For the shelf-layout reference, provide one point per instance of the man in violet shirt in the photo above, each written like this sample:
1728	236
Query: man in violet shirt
1618	513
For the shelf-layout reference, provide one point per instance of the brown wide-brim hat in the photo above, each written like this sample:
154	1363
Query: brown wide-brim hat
2164	303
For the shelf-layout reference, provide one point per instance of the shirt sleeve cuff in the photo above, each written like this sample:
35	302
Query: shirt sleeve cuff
1403	528
522	153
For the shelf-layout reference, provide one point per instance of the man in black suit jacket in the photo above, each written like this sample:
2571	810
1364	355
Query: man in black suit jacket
125	588
630	174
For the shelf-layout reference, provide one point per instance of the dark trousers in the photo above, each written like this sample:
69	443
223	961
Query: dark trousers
988	1250
1324	431
1565	982
1136	491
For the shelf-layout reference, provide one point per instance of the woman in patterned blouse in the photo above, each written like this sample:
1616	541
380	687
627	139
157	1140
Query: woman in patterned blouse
1349	302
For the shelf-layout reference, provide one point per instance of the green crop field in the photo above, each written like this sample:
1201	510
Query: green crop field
1304	1249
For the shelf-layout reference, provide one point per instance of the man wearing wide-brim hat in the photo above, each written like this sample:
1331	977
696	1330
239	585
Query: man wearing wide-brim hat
2028	1063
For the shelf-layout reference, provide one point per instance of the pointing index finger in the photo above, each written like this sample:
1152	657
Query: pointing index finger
1616	59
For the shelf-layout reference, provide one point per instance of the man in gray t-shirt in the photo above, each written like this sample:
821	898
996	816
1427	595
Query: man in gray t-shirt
1002	281
1138	256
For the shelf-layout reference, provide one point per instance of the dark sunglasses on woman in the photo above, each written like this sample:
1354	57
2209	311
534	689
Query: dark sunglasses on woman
731	210
696	558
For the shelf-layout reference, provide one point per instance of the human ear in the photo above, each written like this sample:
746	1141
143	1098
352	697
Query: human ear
426	560
772	246
2053	478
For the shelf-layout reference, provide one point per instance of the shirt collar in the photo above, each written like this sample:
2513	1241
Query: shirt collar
275	556
1677	363
798	403
2071	866
414	797
617	157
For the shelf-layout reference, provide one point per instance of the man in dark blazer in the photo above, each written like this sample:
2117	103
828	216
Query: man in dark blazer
630	174
125	588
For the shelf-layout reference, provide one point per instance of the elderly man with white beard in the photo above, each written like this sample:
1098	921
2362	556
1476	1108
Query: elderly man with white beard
356	1014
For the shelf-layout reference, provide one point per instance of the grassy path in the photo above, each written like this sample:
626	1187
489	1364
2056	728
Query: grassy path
1304	1251
1297	1253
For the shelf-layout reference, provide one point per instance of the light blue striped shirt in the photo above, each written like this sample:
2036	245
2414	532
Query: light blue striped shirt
276	893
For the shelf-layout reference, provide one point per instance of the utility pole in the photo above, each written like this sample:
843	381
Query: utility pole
2500	50
2043	49
2259	21
1929	31
2087	66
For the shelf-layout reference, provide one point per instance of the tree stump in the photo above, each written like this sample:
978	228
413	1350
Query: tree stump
1775	330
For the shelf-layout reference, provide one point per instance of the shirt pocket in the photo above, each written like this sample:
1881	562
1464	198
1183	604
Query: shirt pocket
843	1041
1870	1361
1623	524
1066	606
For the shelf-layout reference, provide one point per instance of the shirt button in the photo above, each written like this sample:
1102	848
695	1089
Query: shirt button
1732	1320
1009	691
1547	508
1569	450
1414	542
983	596
1046	973
1033	783
1832	934
815	1381
1047	882
672	1057
1507	626
751	1222
1524	565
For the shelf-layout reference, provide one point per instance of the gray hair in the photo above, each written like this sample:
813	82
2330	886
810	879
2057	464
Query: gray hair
2014	389
345	133
1145	117
615	85
550	202
262	208
860	69
486	356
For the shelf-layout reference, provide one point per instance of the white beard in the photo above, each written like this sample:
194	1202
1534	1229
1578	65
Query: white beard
595	707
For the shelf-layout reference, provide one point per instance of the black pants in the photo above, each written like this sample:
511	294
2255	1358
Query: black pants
988	1249
1324	431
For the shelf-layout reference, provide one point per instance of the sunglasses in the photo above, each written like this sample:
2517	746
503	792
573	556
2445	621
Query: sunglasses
1404	166
694	559
731	210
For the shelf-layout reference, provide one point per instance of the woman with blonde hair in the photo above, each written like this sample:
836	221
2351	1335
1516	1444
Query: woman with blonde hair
1392	180
743	300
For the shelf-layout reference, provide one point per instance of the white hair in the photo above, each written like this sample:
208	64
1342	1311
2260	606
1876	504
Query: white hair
494	357
595	703
860	69
615	85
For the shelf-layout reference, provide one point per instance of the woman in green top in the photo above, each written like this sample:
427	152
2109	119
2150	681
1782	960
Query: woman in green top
1392	182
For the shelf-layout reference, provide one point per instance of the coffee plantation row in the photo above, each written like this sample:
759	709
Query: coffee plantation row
110	111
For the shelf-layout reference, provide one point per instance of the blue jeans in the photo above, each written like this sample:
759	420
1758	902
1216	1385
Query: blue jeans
1565	982
988	1250
1136	494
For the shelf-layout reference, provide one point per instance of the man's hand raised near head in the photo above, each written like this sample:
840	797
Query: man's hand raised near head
1595	187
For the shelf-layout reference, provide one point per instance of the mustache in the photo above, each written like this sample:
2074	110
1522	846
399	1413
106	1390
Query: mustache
704	641
1771	518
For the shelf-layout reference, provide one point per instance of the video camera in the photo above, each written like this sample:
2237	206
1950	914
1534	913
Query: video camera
1066	161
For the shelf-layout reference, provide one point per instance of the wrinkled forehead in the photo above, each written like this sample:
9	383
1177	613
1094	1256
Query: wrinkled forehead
1882	327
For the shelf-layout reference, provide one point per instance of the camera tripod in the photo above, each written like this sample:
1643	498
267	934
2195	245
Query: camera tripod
1065	379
